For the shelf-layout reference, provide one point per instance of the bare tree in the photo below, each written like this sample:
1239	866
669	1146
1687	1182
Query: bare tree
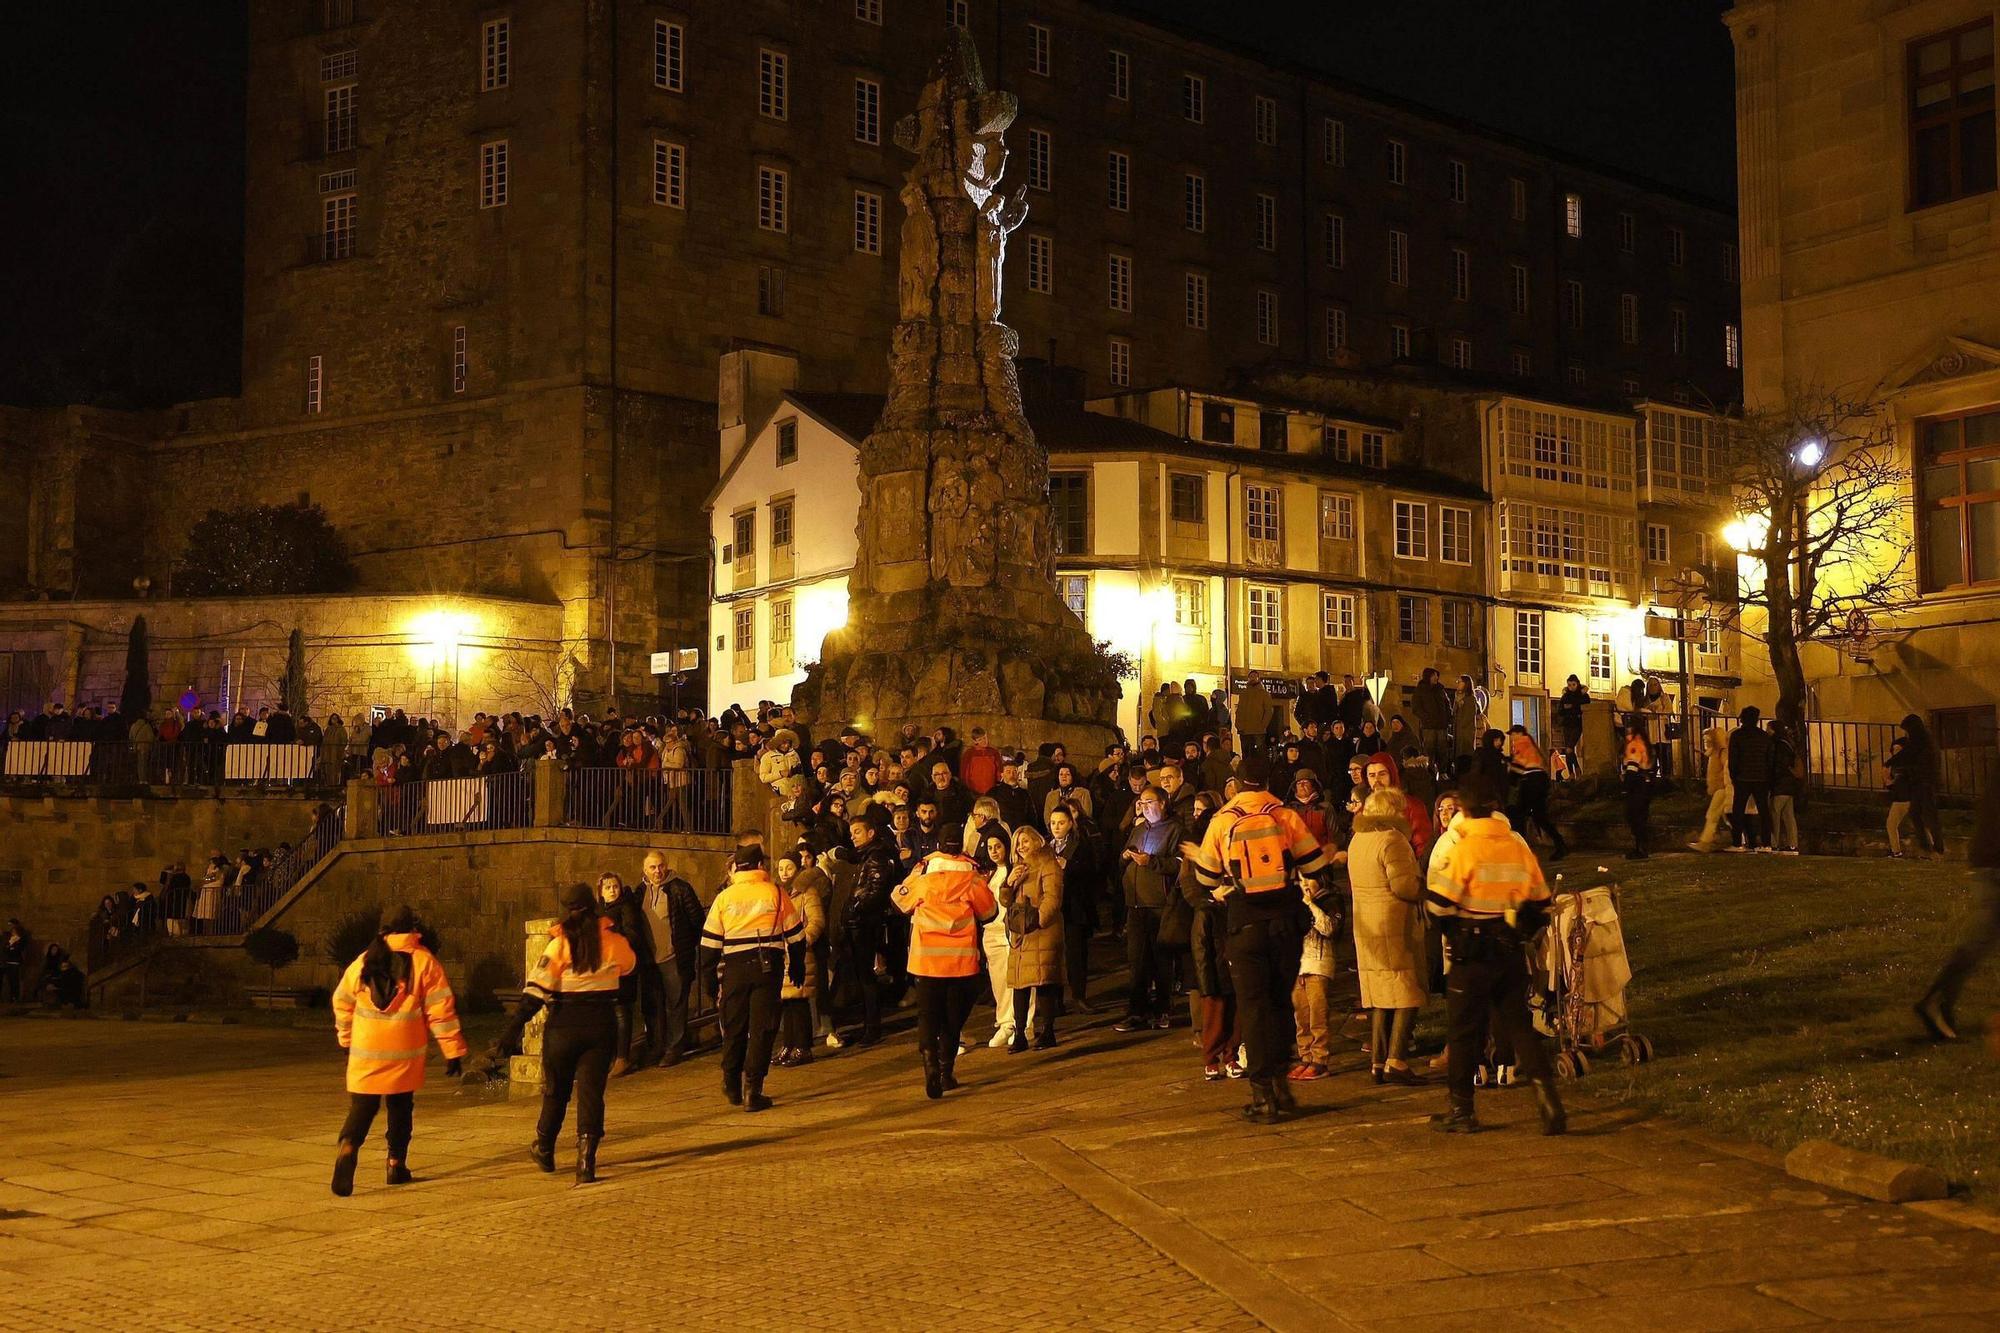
1821	490
546	676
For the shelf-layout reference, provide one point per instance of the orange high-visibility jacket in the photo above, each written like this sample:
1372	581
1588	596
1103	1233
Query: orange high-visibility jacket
385	1047
1486	874
555	975
946	899
1303	853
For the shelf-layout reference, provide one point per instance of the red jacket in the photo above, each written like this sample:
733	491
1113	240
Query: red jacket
979	767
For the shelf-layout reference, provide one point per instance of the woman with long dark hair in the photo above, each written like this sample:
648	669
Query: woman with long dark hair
1913	770
576	980
628	918
390	1003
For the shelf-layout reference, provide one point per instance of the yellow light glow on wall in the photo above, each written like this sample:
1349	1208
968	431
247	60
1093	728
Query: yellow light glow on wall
435	635
816	612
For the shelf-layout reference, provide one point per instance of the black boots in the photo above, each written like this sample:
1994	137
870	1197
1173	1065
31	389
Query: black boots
933	1076
1281	1094
1549	1106
343	1168
732	1087
586	1159
621	1059
1458	1120
399	1172
544	1154
1263	1107
948	1067
753	1096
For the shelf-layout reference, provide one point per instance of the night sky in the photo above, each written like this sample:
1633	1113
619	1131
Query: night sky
121	148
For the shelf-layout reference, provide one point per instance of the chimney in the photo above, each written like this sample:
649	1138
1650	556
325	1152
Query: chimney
750	380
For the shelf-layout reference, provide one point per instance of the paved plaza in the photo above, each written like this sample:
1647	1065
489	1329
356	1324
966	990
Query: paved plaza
174	1176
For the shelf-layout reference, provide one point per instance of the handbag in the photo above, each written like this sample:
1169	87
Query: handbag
1176	921
1023	918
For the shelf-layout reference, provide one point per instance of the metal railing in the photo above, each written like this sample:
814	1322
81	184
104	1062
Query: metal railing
457	805
1853	756
160	764
657	801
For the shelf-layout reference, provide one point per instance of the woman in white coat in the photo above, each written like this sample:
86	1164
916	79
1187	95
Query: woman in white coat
1388	931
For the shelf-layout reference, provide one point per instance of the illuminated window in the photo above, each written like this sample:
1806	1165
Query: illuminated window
1075	589
1601	663
1191	603
1732	346
1573	214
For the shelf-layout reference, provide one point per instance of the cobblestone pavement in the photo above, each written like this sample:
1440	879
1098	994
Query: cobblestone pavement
174	1176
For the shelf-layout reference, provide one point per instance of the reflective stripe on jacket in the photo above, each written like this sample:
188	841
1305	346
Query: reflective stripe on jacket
1486	874
385	1047
1303	850
752	912
555	974
946	899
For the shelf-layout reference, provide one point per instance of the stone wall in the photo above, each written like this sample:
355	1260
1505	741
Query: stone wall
59	855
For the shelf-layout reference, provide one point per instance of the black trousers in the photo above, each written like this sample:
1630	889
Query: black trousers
1488	986
751	983
1151	993
1745	793
577	1047
1044	999
667	1019
859	963
1639	809
361	1108
942	1006
1076	958
1263	965
1531	807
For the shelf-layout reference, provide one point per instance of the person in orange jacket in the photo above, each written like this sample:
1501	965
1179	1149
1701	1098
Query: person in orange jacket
947	900
392	1000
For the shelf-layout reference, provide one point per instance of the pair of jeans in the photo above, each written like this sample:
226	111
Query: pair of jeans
361	1108
576	1059
1487	988
1151	993
858	964
752	983
667	1018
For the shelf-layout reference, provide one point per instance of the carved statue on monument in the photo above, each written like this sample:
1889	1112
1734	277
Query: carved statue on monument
953	612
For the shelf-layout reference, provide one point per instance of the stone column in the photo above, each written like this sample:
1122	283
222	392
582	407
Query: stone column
364	808
551	793
524	1071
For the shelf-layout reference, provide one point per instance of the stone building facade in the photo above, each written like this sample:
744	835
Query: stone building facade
493	255
1871	265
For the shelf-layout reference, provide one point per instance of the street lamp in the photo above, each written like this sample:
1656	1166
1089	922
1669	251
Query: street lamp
1810	453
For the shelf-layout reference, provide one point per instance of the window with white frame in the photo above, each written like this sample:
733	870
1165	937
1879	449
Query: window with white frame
1119	358
1263	522
1075	590
1701	549
1194	94
1333	241
1458	181
1528	645
1573	214
786	447
1197	300
1659	544
336	231
743	642
1336	516
1267	222
1576	374
1266	624
1267	317
1118	272
1041	263
781	636
1460	352
669	71
1267	120
339	66
1524	362
774	192
1333	442
745	545
1374	449
1517	287
1191	603
459	360
1677	246
1517	199
1601	663
1336	615
1187	497
1399	341
1399	258
867	111
1454	535
494	53
1120	75
315	385
1628	233
869	11
867	222
1572	302
1038	159
339	118
958	13
1461	274
1069	512
1194	201
1038	49
1679	325
493	174
773	83
1709	644
1460	624
770	290
1399	162
1413	619
1732	346
782	512
1628	317
669	174
1118	182
1333	141
1336	330
1413	530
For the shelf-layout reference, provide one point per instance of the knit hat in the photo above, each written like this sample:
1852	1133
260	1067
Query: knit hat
1253	770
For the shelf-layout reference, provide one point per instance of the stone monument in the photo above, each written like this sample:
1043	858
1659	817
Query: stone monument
953	613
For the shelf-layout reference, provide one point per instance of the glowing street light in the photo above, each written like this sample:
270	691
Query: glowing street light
1747	532
1810	453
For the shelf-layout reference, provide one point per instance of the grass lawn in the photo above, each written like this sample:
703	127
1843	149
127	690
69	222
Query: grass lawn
1777	991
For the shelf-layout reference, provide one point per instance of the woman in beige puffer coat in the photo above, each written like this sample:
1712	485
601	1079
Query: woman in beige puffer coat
1388	931
1034	958
795	1017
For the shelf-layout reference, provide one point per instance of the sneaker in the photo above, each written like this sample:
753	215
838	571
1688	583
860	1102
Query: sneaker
1766	851
1215	1073
1135	1023
1001	1036
1788	851
1307	1073
833	1041
1736	848
1163	1022
1701	847
1234	1070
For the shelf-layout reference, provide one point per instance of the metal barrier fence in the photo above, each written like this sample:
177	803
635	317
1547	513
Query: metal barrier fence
674	801
1853	756
165	764
457	805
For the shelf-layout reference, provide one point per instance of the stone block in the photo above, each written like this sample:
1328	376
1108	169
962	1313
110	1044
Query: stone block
1867	1174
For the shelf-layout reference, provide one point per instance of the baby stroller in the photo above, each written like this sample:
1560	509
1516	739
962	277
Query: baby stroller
1583	960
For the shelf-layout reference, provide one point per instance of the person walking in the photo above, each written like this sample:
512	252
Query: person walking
576	980
1031	901
1529	771
795	1002
1721	795
754	939
1938	1009
390	1004
1750	775
1488	895
1388	932
1570	707
1151	867
858	951
673	917
1635	771
1250	860
947	900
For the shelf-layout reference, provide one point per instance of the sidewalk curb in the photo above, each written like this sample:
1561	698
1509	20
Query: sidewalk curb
1887	1179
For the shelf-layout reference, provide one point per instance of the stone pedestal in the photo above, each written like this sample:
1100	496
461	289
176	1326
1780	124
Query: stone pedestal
524	1071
